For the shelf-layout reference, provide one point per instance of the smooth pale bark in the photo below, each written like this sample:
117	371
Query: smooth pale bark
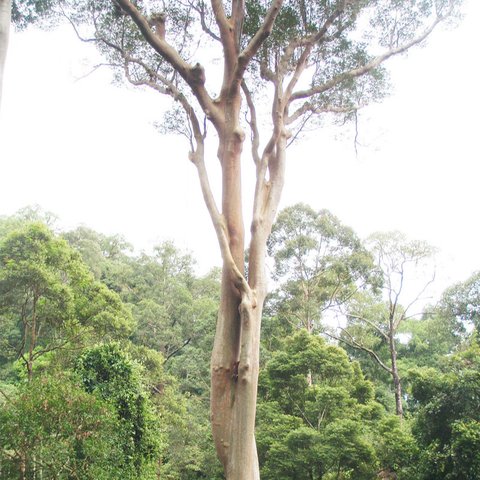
235	356
5	18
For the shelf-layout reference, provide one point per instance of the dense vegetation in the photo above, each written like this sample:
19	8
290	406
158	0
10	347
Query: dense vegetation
104	359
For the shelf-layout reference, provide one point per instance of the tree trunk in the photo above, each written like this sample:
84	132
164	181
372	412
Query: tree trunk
234	393
235	356
33	339
5	18
396	377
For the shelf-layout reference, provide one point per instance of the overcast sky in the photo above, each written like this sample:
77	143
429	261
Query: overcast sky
87	151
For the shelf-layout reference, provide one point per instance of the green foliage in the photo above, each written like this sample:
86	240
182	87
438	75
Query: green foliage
108	373
396	447
429	339
461	302
316	413
98	251
320	262
52	428
133	412
29	12
48	299
447	406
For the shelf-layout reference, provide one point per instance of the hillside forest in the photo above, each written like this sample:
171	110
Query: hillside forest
311	353
105	354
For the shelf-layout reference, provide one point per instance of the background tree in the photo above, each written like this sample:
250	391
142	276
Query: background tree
447	424
48	299
319	263
323	428
281	47
174	309
108	373
461	303
52	428
374	323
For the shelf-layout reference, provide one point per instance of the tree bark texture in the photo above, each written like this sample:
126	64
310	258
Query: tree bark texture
5	18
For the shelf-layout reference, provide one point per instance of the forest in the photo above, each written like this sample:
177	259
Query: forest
312	352
105	353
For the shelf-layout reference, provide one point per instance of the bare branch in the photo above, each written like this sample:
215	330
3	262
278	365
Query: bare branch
170	355
309	107
219	225
94	69
222	22
418	297
308	42
201	11
238	16
369	322
230	50
354	344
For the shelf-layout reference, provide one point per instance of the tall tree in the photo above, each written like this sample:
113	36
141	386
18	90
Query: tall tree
309	58
319	262
375	323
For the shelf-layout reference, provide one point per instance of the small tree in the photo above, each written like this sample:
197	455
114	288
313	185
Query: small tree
461	303
447	421
320	428
52	428
309	59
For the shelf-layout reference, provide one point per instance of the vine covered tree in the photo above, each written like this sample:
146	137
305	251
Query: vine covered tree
309	59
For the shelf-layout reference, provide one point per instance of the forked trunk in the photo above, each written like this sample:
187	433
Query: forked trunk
235	356
234	387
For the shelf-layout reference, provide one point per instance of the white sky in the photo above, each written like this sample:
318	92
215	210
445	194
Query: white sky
87	151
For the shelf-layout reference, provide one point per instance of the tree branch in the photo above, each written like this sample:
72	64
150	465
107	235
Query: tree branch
219	225
256	42
369	322
309	107
205	27
309	43
255	134
362	70
352	343
187	72
170	355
